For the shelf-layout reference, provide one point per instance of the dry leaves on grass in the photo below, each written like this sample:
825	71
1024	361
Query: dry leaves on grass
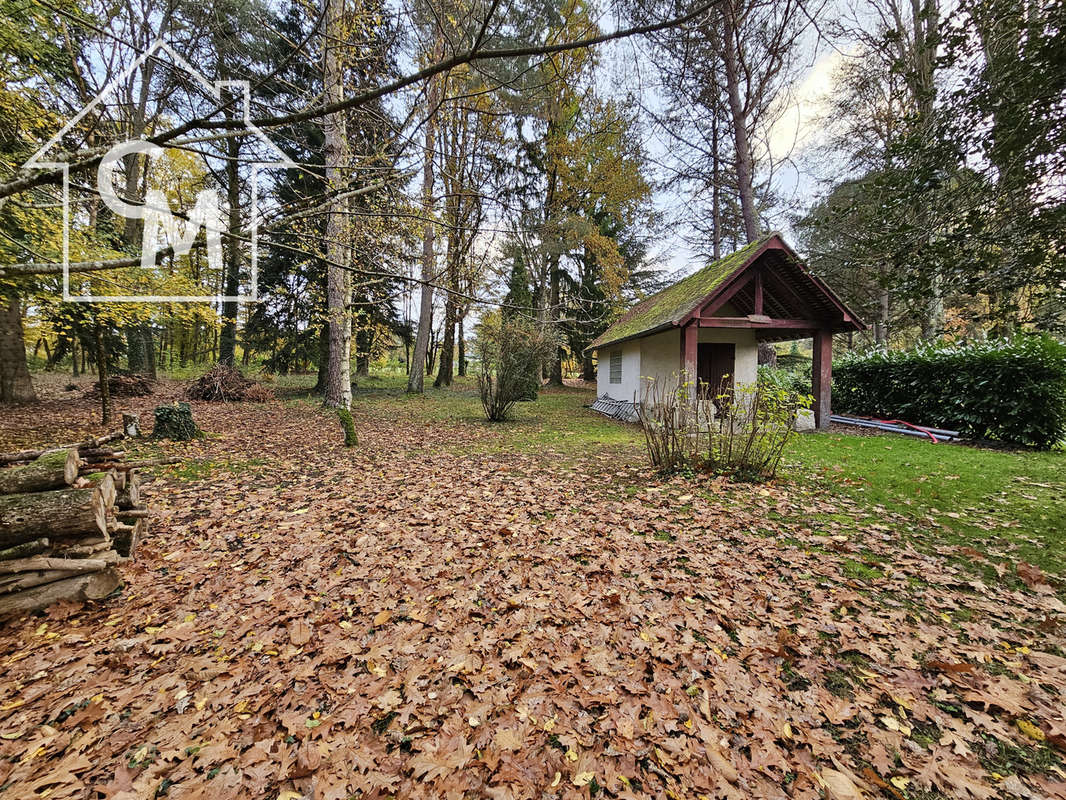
401	620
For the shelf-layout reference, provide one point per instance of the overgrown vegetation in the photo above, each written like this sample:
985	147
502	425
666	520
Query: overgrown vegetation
740	432
1010	390
175	422
351	438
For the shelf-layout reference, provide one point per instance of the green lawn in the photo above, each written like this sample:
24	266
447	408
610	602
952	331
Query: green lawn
1009	503
1014	501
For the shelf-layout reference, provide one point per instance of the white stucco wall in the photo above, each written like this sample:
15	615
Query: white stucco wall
630	384
659	357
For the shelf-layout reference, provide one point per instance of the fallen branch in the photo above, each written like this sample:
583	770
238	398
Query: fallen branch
127	466
30	455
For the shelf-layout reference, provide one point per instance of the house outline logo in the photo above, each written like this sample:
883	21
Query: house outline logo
214	90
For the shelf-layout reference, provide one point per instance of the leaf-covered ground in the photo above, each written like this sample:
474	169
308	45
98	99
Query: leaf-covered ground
434	615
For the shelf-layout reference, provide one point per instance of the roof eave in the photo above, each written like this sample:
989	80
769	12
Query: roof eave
649	332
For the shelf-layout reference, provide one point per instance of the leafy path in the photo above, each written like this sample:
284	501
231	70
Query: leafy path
405	620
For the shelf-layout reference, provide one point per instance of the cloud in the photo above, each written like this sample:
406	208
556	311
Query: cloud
798	125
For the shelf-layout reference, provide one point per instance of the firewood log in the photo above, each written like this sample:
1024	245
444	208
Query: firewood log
24	550
107	490
128	465
132	513
125	538
49	471
39	563
129	490
90	586
30	455
26	580
66	512
101	454
84	548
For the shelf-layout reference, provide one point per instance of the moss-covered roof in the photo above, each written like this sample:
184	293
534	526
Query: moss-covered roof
668	307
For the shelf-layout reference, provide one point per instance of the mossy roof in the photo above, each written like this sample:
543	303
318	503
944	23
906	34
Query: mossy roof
669	307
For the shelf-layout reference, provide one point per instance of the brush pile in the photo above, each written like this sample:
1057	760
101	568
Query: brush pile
68	517
225	384
124	386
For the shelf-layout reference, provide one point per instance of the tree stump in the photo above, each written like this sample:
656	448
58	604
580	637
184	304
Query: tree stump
131	425
175	422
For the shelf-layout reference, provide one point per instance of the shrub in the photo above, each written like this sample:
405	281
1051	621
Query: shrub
511	352
684	428
795	380
1013	391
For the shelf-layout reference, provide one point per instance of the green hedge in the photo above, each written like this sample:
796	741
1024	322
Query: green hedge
1013	391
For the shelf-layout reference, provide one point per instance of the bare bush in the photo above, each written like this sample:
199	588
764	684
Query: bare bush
740	432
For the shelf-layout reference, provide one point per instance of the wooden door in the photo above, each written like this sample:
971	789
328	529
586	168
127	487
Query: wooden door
715	365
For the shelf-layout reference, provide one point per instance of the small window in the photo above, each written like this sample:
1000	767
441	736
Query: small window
616	366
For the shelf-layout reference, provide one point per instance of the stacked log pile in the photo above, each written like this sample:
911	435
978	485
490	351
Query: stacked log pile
68	517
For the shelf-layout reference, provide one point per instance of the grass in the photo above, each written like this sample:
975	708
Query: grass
557	421
962	495
1011	502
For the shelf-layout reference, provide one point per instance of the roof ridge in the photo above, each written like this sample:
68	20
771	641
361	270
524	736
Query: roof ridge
678	299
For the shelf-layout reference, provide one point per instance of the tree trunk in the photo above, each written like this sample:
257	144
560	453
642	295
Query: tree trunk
338	392
134	349
588	369
15	383
744	163
462	345
716	192
416	377
364	344
556	376
881	328
447	348
149	350
932	321
101	373
227	340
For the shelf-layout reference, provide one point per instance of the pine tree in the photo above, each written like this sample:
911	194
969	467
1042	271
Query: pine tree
518	307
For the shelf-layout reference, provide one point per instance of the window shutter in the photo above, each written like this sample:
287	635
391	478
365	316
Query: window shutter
616	366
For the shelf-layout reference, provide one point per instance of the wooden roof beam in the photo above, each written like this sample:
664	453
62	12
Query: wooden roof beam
759	321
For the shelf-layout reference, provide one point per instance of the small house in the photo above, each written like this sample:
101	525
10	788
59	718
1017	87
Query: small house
711	323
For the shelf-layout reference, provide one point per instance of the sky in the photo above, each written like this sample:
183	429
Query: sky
792	140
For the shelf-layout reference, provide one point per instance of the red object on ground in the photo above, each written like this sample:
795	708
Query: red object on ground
911	425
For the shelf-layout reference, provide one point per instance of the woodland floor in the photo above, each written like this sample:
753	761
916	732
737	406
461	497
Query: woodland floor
459	610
